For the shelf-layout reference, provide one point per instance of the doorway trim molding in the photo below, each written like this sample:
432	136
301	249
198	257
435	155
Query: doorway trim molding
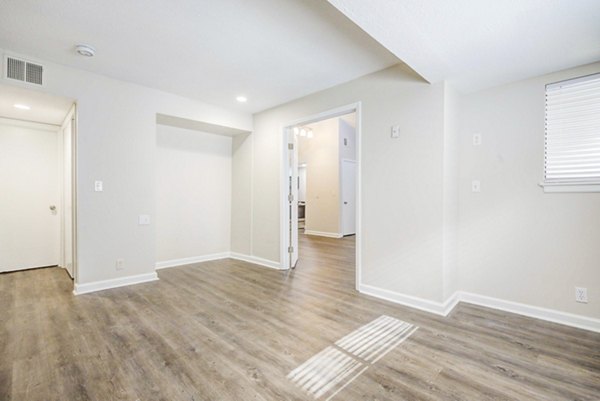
283	180
71	117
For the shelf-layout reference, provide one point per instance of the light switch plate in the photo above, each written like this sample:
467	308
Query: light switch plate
144	219
475	186
476	139
98	186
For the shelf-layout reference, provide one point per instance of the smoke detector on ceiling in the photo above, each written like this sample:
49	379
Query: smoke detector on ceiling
85	50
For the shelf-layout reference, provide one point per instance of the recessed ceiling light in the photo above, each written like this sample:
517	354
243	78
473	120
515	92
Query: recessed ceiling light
22	106
241	99
85	50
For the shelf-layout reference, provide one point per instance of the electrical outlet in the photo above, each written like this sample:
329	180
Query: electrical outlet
581	295
476	186
476	139
120	265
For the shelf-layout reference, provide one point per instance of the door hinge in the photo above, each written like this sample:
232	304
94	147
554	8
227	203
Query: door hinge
290	146
290	249
290	198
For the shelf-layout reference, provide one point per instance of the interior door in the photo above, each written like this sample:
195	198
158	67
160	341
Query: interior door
67	136
348	197
293	197
29	178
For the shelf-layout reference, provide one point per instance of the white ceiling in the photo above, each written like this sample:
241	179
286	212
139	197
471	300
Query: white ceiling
477	44
271	51
45	108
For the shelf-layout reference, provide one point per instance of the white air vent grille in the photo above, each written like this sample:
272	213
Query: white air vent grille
15	69
34	73
24	71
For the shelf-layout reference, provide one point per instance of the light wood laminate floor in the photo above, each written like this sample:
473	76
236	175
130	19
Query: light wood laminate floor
229	330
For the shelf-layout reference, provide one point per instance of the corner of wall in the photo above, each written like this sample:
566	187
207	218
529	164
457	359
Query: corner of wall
450	192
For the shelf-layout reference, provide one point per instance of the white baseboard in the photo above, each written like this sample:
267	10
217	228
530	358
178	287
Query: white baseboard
189	261
323	234
114	283
216	256
438	308
551	315
256	260
444	308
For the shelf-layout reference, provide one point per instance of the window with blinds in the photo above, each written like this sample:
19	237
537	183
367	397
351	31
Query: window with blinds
572	138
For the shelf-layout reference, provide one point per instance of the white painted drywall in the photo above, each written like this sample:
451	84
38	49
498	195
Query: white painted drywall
321	154
401	178
450	191
116	143
302	184
193	193
516	242
29	176
241	194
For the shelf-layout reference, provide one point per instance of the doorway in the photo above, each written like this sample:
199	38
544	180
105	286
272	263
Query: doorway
37	169
321	186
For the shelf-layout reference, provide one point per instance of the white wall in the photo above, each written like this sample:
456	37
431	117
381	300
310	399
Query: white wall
193	193
302	184
518	243
29	178
402	178
450	191
241	191
117	143
321	154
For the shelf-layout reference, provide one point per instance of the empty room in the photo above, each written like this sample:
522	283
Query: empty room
299	200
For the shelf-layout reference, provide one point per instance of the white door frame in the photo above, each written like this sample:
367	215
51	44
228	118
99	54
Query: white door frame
283	208
71	115
74	191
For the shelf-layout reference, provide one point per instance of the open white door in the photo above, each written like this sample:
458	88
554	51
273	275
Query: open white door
293	197
29	175
348	197
67	184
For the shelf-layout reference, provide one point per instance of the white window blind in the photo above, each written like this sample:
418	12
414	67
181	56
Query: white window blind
572	140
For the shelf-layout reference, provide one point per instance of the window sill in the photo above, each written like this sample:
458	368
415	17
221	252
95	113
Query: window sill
575	187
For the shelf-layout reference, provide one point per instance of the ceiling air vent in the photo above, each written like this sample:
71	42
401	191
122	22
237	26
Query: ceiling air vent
24	71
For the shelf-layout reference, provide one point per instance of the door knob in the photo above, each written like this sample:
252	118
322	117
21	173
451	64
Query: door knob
53	208
345	203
